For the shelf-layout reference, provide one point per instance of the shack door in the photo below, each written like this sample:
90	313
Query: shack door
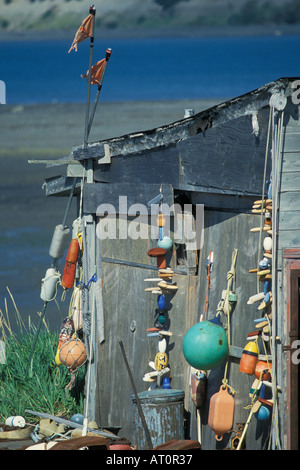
292	258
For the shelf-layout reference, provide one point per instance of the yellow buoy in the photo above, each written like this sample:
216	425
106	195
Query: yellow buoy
161	360
249	358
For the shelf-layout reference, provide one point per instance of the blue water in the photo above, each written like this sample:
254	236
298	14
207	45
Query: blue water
147	69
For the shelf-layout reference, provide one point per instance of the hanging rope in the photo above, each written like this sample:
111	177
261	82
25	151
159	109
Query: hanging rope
277	161
204	313
226	308
271	111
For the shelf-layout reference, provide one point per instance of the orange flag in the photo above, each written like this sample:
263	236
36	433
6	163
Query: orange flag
97	71
84	31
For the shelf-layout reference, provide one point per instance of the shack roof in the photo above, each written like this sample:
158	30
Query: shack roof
192	132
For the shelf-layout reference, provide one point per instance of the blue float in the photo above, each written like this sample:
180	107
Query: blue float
205	345
77	418
161	301
263	413
165	243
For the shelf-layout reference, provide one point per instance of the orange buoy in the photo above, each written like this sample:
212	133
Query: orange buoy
221	411
70	265
263	370
73	353
249	358
159	254
161	221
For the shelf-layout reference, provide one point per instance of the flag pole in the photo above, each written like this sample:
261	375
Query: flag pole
92	12
107	57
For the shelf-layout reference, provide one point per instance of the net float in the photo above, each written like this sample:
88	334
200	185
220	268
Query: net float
161	221
221	411
263	370
205	345
73	354
249	358
165	242
198	387
58	242
161	361
161	302
263	413
162	345
267	243
68	277
159	254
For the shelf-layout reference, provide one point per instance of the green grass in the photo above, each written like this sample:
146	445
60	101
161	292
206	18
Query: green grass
43	388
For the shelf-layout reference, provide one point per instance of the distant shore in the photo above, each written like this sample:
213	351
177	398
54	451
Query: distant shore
193	31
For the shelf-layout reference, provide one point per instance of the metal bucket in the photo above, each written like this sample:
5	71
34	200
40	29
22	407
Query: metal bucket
163	410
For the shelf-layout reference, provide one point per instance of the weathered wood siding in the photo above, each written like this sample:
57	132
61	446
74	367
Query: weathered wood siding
225	232
288	230
128	312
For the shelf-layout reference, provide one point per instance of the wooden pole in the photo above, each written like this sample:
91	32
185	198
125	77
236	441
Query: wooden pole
254	409
108	54
148	437
92	12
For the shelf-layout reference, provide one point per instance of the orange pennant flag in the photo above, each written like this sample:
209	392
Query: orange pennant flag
97	71
84	31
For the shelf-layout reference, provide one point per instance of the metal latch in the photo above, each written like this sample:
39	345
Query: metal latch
293	334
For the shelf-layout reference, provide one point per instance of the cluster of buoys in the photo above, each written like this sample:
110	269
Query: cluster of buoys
163	286
250	363
205	347
71	350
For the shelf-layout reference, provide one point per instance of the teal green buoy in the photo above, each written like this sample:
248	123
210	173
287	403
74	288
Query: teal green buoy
205	345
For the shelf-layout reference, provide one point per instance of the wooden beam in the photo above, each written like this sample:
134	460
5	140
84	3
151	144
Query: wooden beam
101	193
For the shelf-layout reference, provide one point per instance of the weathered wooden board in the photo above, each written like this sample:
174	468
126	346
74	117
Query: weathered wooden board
289	220
291	141
60	186
158	166
290	181
223	233
129	311
289	200
291	161
226	159
102	194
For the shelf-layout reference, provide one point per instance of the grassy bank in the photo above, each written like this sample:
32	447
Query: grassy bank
43	387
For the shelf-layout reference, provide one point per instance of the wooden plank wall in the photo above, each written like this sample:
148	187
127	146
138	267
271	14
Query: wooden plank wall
129	311
226	159
225	232
288	237
289	215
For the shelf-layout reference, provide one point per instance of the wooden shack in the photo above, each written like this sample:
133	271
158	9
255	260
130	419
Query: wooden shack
213	167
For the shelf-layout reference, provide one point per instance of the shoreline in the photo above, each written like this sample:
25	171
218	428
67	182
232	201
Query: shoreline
166	32
52	128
